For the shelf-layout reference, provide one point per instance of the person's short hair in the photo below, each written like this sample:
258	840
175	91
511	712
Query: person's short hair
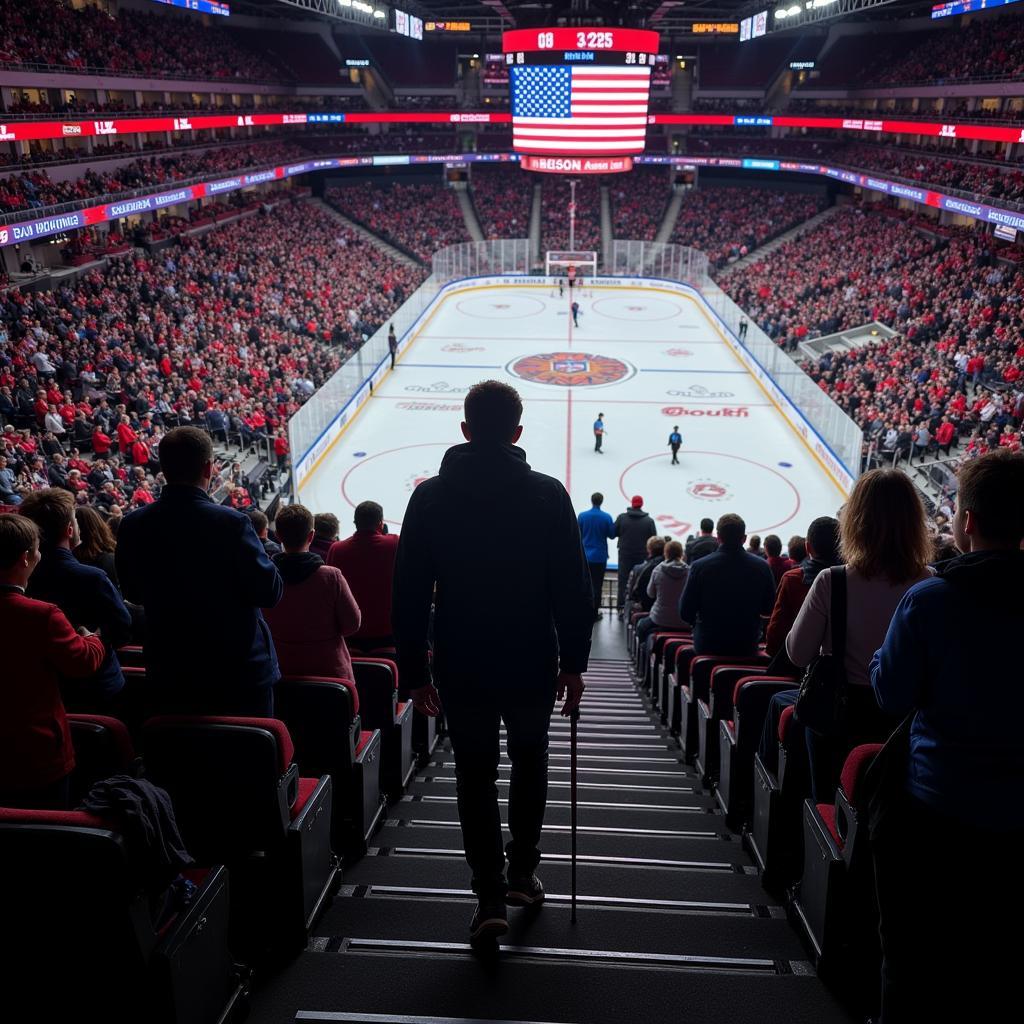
707	526
796	546
258	519
655	546
991	487
883	533
772	546
52	509
368	516
597	498
18	534
326	525
755	541
823	536
731	530
673	550
292	525
184	454
493	411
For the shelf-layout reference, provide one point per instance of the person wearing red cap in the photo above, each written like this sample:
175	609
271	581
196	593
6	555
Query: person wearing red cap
632	527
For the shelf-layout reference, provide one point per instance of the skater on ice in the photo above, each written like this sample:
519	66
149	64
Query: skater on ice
575	307
599	432
675	439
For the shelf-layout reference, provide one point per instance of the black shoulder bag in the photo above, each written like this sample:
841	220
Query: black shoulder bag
821	705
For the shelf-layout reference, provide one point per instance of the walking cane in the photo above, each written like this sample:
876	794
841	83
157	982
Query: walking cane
574	719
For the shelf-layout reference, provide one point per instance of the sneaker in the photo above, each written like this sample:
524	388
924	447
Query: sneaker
489	922
524	891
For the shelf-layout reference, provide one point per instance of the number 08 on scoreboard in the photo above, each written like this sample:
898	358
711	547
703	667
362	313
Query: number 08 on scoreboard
579	92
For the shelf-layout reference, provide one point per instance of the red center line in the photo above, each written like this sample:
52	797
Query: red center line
568	412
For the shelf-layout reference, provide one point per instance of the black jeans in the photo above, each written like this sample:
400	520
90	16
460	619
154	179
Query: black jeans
473	714
596	583
947	893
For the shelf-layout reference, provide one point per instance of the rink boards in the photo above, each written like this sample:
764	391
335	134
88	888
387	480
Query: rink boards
650	355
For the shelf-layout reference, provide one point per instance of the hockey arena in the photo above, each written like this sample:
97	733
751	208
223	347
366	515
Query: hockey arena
649	359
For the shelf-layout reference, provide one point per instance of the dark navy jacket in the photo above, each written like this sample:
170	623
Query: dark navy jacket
88	598
726	594
952	656
201	574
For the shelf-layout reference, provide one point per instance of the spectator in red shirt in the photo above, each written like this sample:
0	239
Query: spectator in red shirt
36	753
126	437
310	622
776	562
367	559
100	442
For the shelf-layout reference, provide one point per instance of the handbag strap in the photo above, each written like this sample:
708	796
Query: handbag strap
837	612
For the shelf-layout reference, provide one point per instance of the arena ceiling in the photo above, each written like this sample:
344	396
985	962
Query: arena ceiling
664	15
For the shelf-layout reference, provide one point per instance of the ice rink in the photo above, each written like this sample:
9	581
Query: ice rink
647	360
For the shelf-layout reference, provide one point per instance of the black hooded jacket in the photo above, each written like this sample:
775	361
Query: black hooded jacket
501	545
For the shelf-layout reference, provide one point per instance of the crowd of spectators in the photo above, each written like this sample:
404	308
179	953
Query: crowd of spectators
727	223
554	214
232	331
418	219
35	189
54	33
985	48
502	197
949	380
638	202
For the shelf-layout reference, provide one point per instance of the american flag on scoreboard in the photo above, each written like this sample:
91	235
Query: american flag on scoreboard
579	110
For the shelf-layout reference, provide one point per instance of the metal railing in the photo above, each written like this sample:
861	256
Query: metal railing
70	69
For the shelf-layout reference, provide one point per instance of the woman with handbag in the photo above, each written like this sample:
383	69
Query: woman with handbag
885	544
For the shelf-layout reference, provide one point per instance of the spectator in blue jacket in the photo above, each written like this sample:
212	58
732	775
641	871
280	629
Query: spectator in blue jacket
727	593
596	529
83	593
952	658
202	575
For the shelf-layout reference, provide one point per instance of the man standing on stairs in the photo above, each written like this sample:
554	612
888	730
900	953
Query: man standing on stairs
501	653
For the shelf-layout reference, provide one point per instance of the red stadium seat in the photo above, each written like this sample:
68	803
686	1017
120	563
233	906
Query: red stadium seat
377	683
239	800
103	748
79	936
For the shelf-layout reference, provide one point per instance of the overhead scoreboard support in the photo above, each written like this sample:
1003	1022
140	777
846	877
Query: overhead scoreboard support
580	96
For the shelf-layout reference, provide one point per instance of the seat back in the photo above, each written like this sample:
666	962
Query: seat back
703	665
131	656
723	685
69	877
377	683
852	798
323	718
102	748
231	780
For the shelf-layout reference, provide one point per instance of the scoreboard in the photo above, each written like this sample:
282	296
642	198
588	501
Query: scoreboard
581	93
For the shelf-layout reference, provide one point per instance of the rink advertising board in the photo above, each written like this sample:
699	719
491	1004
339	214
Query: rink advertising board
27	231
18	131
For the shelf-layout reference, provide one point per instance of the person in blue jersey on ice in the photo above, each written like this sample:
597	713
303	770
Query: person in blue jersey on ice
575	307
675	440
599	432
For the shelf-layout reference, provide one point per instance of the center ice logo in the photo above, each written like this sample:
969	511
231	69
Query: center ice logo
570	369
708	490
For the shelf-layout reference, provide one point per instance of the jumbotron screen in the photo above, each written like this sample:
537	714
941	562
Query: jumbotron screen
580	92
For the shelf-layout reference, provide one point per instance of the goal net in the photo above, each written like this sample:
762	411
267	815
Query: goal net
565	266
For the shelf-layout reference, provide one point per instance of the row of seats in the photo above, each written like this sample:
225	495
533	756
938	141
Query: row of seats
268	807
813	854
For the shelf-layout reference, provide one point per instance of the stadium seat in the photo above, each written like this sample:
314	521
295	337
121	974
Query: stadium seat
671	697
131	655
699	689
379	708
239	800
775	833
323	717
737	746
655	663
79	936
103	748
835	900
711	711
